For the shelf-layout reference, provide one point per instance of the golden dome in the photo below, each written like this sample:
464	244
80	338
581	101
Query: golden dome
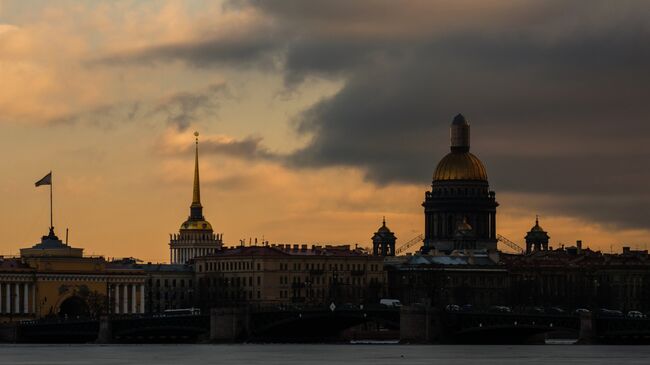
460	166
196	225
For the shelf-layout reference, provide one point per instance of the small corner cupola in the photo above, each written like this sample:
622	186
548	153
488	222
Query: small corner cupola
459	132
537	238
383	241
384	228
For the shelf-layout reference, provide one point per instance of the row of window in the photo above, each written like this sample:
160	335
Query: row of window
230	266
166	283
460	191
171	296
296	266
242	281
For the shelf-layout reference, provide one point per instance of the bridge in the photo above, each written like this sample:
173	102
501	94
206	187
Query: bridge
430	325
298	325
489	327
318	324
139	329
221	325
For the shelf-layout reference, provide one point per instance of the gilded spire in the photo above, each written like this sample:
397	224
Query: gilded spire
196	209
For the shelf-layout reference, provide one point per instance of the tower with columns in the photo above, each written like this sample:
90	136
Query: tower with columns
537	238
195	237
383	241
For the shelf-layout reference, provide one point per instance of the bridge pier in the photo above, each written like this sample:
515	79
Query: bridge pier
587	334
229	324
420	324
105	333
9	332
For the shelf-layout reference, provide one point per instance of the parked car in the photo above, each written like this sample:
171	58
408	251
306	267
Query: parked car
610	313
555	310
500	309
452	308
580	311
536	310
467	308
635	314
393	303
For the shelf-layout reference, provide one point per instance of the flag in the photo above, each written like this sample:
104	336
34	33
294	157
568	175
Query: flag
46	180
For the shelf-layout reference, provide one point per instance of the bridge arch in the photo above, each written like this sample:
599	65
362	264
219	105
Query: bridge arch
73	307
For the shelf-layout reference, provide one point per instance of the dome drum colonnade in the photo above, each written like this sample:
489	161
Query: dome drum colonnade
460	209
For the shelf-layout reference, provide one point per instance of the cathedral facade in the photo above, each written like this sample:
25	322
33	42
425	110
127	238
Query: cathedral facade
460	209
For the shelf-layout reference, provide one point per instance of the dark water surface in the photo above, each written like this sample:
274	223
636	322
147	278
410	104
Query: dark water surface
321	354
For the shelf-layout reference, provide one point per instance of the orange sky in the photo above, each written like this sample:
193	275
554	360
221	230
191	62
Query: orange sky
118	137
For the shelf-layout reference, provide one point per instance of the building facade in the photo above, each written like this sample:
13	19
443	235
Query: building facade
473	279
169	287
53	279
580	278
289	275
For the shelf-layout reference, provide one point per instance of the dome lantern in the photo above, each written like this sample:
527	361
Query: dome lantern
459	133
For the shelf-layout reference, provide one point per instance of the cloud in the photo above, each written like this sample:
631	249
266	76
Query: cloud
180	109
250	148
183	108
245	51
556	92
546	72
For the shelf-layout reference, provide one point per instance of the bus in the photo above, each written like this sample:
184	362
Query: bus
182	312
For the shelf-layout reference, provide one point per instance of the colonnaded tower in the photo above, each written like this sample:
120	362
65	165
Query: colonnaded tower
195	237
460	209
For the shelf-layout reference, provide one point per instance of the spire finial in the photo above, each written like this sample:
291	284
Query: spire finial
384	221
196	208
537	219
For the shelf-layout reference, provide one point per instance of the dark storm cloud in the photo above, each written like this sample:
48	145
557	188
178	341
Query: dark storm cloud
178	110
183	108
254	49
249	148
391	118
556	91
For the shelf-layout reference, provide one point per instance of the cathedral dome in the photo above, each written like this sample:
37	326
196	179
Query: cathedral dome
460	166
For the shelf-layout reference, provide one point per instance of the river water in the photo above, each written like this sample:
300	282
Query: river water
321	354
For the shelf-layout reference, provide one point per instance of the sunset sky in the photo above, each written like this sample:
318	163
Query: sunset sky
317	118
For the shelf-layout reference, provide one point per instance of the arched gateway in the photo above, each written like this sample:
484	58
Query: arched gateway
74	307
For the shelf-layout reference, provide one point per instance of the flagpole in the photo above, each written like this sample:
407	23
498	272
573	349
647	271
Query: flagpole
51	220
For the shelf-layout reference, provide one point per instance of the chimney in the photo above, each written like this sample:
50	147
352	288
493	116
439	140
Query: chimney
579	246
